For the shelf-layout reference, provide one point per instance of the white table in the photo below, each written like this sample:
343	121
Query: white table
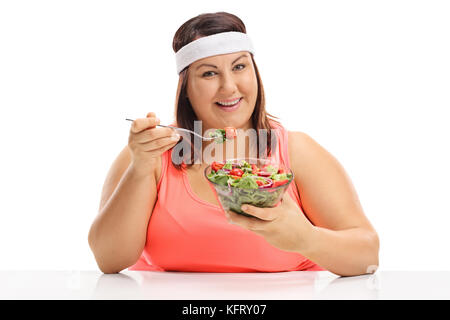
296	285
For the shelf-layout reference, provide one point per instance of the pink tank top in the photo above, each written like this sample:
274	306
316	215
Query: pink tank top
186	233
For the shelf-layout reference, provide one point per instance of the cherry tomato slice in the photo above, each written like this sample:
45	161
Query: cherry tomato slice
264	174
279	183
216	166
230	132
260	183
236	172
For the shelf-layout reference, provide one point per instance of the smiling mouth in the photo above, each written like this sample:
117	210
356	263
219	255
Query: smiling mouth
228	105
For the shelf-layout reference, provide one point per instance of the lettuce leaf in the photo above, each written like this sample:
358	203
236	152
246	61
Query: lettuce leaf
219	178
246	182
228	165
271	168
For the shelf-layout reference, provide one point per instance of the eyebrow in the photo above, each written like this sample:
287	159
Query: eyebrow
213	66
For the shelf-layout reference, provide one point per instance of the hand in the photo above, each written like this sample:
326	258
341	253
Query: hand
147	142
284	226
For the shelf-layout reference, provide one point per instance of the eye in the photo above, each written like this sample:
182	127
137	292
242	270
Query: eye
211	73
206	73
242	65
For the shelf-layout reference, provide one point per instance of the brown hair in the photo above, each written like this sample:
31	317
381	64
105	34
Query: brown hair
201	26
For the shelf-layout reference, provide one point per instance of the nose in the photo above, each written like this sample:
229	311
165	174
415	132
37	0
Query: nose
228	84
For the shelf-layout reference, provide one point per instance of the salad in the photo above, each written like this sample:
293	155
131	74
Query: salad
244	183
248	176
221	135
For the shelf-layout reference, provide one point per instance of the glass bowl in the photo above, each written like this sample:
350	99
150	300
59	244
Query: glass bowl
232	198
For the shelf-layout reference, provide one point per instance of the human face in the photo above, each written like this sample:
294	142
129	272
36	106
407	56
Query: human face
224	77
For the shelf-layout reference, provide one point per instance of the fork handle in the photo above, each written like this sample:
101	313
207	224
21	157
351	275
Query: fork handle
161	125
182	129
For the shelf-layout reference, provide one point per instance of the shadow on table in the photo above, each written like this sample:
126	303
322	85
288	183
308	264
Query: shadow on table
183	285
365	287
116	286
225	286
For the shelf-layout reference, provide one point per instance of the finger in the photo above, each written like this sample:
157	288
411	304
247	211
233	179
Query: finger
250	223
151	114
154	134
163	149
266	214
159	143
142	124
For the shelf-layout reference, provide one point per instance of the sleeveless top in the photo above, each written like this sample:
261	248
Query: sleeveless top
186	233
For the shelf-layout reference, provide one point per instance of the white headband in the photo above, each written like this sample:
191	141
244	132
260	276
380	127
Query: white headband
219	43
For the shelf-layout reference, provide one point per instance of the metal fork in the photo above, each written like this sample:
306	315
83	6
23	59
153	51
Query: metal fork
182	129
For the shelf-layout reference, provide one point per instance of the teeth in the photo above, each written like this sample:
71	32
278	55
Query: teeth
229	103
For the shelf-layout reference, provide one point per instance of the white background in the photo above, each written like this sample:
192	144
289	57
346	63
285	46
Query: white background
368	80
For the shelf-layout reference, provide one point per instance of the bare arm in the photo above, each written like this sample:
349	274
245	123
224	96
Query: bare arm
342	240
117	236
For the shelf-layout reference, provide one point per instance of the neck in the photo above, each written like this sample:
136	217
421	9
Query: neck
243	146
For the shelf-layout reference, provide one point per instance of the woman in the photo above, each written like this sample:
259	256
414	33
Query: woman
160	214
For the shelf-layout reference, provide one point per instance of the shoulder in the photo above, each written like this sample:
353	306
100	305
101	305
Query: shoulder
300	145
305	147
306	153
327	193
297	137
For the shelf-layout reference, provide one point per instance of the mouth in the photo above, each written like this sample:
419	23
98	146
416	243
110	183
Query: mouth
229	106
